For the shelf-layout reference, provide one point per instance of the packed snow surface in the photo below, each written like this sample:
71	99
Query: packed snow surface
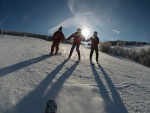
29	78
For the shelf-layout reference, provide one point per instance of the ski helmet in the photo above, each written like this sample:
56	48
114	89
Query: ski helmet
78	30
60	28
95	33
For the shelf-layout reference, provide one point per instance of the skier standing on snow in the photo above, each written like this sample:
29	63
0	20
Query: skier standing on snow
94	46
78	37
57	37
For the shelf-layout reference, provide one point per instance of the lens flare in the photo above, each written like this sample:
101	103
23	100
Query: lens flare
86	32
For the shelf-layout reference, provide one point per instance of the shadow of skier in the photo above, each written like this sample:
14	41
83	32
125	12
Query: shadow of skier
109	107
34	101
15	67
118	104
56	87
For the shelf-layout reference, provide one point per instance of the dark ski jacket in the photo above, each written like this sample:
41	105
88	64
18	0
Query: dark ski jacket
57	37
94	41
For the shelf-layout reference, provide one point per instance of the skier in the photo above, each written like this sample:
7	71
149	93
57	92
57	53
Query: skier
57	37
78	37
94	45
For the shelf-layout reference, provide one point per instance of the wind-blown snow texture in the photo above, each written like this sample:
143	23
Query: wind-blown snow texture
28	80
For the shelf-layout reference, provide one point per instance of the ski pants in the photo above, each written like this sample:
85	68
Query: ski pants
77	49
96	51
54	45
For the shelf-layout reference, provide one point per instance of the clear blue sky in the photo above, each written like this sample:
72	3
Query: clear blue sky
113	19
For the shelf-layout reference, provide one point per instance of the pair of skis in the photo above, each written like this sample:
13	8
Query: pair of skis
50	55
69	59
94	63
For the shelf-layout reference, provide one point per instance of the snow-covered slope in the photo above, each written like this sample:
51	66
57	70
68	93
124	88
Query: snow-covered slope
28	80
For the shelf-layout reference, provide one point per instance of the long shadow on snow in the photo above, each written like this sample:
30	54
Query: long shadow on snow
109	107
36	100
118	104
15	67
55	89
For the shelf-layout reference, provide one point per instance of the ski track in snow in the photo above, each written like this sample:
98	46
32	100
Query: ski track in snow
28	80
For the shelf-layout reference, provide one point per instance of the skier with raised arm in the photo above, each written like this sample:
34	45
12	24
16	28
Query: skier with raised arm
78	37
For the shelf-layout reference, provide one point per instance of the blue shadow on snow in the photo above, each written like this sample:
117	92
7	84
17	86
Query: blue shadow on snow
15	67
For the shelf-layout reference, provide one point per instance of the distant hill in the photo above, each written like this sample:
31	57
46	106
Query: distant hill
15	33
114	43
49	38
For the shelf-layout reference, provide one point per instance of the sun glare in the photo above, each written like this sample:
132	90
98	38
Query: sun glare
86	32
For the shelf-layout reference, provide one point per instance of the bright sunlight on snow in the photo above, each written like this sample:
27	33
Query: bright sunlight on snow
28	80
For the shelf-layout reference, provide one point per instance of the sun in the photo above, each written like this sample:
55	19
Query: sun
86	32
